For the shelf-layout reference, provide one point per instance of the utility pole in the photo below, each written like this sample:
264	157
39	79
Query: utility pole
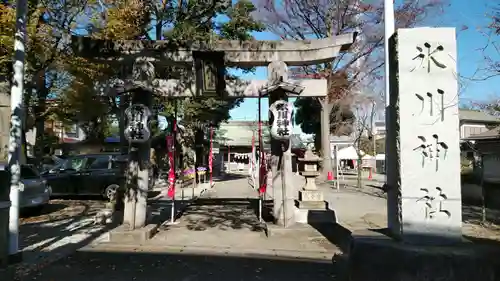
388	32
389	28
16	130
374	129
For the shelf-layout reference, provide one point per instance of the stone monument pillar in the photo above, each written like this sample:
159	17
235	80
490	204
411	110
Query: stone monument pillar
423	169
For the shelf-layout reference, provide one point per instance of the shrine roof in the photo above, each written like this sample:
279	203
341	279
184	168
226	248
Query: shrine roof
239	133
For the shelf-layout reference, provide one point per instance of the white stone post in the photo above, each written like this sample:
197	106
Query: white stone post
423	175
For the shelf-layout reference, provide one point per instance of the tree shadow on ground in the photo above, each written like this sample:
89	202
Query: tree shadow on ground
223	214
186	265
473	214
45	210
229	177
57	235
336	234
491	244
161	211
340	237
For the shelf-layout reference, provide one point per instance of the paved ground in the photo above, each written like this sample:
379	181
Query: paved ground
370	209
85	266
63	227
58	230
218	241
225	220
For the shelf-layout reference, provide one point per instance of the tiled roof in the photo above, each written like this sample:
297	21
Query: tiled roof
477	116
341	139
239	133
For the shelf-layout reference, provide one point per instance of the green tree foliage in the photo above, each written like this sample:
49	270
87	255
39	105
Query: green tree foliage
82	100
341	115
194	20
341	119
46	51
73	81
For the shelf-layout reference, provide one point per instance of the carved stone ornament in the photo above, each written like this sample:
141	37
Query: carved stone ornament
137	130
281	127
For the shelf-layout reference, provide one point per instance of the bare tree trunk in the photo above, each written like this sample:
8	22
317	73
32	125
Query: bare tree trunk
360	170
326	110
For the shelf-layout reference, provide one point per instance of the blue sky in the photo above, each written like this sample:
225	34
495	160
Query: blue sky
460	13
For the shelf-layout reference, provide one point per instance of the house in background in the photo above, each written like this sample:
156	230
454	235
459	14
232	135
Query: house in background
234	140
66	134
485	177
473	122
487	145
341	142
379	129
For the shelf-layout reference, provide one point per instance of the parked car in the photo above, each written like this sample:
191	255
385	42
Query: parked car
89	174
34	190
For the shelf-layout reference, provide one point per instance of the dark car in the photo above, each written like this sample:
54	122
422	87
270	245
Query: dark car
34	190
90	174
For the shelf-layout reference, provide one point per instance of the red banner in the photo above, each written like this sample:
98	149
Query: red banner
262	173
210	154
171	172
263	167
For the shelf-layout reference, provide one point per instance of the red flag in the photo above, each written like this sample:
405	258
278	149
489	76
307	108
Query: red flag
171	172
210	161
263	166
263	173
252	159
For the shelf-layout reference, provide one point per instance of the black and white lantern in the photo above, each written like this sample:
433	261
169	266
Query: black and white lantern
281	127
137	130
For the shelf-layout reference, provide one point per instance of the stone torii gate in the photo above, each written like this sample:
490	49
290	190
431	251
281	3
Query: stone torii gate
206	61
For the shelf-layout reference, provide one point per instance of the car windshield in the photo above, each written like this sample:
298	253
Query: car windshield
72	164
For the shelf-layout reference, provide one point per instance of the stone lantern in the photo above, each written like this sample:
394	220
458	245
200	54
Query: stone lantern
311	206
309	169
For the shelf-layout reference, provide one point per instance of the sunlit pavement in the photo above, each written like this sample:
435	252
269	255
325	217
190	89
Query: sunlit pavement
197	249
56	231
